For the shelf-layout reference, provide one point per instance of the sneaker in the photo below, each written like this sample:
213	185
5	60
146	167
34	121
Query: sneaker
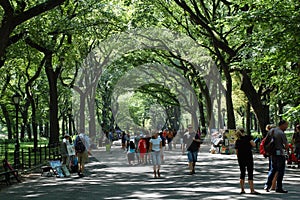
80	174
255	193
281	191
267	189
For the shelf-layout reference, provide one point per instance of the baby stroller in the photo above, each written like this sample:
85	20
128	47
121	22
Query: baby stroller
291	158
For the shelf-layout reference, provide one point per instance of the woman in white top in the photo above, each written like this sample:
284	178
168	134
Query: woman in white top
155	147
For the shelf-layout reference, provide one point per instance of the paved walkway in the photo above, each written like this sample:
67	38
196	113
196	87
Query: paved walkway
110	177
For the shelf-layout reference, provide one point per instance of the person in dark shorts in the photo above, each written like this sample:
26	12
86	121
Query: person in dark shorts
243	146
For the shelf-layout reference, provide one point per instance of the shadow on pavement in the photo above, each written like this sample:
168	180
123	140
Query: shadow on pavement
110	177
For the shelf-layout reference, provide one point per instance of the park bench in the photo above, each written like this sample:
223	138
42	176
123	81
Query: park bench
7	173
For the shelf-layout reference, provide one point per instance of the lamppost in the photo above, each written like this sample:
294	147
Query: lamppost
70	120
223	115
16	100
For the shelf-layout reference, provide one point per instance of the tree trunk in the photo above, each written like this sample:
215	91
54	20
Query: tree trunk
202	122
28	131
204	91
46	130
280	108
261	111
5	31
7	120
53	101
24	114
221	119
92	121
32	101
64	124
229	105
82	113
34	124
248	119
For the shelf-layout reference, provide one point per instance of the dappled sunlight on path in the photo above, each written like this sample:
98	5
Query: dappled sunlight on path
110	177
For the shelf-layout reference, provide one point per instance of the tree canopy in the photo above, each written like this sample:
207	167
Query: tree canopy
45	46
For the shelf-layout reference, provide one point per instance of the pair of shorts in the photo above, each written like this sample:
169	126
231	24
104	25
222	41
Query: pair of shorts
192	156
83	157
156	157
130	156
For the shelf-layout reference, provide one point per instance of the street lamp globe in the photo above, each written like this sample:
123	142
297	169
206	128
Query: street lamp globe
16	99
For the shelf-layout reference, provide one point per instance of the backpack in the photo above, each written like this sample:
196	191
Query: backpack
79	145
267	145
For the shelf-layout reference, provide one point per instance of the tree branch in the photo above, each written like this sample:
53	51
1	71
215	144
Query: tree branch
36	46
37	10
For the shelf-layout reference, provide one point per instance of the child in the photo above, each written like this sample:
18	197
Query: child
131	152
143	149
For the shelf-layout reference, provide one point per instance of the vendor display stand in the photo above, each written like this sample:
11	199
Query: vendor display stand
229	138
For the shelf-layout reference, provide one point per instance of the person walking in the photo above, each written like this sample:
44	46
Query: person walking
156	147
278	159
163	143
137	138
131	153
123	140
192	147
296	142
127	141
64	150
273	186
142	146
243	146
169	138
147	138
82	148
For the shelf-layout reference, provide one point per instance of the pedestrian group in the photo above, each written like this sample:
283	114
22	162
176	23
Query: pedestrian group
150	149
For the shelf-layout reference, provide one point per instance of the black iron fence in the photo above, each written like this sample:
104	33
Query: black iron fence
28	156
